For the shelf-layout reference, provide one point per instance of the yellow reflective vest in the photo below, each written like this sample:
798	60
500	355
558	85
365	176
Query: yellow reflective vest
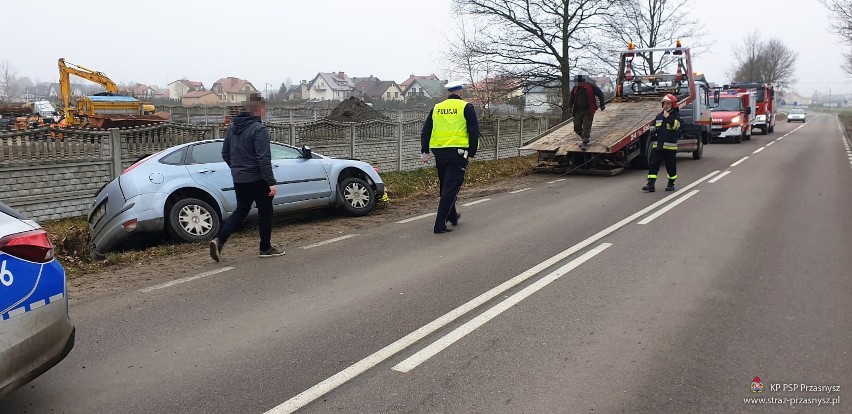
449	128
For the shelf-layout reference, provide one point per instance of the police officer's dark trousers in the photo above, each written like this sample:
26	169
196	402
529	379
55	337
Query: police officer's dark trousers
659	155
451	169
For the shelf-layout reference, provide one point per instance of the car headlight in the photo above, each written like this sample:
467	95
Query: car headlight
761	118
735	120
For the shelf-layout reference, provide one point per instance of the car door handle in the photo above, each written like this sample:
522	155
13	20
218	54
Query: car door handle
274	165
206	171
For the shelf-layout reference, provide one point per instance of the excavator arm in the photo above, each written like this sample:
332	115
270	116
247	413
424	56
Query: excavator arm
66	69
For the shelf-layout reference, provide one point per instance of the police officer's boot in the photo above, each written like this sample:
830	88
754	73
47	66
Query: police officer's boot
670	186
650	186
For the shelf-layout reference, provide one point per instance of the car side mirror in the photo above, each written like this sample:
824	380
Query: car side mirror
748	110
716	97
306	152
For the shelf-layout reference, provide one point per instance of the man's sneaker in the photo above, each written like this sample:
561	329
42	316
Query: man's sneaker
272	252
215	249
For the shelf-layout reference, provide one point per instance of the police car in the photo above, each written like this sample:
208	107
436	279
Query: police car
35	330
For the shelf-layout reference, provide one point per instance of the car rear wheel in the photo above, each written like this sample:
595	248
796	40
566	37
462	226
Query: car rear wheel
356	197
193	220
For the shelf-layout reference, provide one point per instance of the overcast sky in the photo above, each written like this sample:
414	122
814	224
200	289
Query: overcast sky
157	41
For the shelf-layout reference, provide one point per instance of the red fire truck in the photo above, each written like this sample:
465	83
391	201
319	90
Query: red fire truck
765	107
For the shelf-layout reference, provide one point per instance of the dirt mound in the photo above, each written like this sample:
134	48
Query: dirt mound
355	110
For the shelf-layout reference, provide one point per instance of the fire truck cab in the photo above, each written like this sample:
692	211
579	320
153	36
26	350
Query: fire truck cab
735	115
764	119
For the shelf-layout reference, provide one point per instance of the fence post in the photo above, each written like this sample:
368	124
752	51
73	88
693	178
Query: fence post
352	140
497	142
521	134
293	135
115	151
291	115
188	116
399	143
215	133
205	116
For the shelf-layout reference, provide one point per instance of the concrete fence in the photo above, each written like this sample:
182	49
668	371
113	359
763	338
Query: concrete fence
50	173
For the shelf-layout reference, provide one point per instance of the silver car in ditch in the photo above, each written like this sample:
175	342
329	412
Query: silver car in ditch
187	191
35	330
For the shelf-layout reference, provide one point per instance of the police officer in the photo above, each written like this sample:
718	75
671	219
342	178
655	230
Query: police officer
667	130
451	131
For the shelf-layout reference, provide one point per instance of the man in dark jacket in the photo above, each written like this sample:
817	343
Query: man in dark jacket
667	130
583	106
246	150
451	131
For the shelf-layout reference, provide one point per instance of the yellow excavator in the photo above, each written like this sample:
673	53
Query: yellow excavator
102	110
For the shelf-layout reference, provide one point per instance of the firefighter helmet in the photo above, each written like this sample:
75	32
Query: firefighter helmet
671	98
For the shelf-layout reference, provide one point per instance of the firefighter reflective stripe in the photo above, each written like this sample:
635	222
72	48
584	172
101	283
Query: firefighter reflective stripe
449	128
666	145
654	176
671	127
672	177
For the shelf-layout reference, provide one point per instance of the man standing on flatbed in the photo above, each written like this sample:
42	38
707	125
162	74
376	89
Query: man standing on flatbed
583	106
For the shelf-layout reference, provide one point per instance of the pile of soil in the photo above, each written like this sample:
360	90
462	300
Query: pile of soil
355	110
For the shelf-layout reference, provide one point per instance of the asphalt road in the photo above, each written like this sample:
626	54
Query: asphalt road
571	296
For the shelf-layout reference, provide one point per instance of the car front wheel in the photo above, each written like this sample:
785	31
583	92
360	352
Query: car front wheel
356	196
193	220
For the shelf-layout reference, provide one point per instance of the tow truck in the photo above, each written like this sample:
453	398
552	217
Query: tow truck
620	134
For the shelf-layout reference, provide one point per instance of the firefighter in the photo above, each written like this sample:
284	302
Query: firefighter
583	106
451	131
667	130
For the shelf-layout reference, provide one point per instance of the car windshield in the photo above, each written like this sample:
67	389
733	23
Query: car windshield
797	111
728	104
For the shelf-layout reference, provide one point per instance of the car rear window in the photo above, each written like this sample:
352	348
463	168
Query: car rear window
206	153
174	158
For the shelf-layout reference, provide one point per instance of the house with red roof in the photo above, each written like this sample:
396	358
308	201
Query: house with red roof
233	90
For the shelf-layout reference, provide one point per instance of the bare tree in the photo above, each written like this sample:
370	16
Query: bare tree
764	61
650	24
847	62
470	59
540	42
8	81
842	25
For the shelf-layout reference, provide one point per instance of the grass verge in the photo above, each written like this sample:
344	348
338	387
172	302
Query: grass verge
70	236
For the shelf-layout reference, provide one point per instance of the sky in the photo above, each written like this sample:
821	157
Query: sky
268	42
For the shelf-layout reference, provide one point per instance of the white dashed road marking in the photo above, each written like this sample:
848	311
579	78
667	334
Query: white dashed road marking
665	209
719	177
481	200
324	242
408	220
186	279
739	162
521	190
